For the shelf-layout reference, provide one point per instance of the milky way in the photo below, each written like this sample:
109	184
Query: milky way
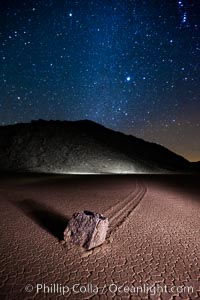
132	66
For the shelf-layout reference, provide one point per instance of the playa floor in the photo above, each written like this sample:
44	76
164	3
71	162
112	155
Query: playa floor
152	250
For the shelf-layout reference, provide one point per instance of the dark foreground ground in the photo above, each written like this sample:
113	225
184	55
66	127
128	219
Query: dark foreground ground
152	250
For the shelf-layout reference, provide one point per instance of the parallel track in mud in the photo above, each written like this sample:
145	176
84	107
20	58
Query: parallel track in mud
120	212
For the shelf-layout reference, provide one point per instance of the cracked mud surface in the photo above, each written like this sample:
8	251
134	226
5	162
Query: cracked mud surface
154	235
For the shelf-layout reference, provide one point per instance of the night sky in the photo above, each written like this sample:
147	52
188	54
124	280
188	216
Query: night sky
133	66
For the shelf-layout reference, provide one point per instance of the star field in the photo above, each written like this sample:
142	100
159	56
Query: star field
132	66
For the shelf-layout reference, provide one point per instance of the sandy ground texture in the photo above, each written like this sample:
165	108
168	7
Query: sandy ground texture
152	250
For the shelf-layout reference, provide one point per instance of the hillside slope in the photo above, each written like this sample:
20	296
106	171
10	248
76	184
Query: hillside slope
81	147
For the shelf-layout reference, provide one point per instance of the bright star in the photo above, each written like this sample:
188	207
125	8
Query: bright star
180	3
128	78
70	14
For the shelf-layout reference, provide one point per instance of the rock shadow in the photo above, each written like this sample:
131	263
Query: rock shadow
44	216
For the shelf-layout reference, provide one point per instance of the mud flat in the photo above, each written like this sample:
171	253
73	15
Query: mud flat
152	249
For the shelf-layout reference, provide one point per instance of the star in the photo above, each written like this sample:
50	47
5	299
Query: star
128	78
180	3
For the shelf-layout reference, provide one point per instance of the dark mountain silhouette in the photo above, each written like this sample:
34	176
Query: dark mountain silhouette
82	146
196	166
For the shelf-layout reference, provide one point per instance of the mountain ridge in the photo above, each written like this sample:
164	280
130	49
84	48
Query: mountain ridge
83	146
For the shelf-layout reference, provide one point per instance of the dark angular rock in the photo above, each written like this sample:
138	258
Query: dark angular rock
87	229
